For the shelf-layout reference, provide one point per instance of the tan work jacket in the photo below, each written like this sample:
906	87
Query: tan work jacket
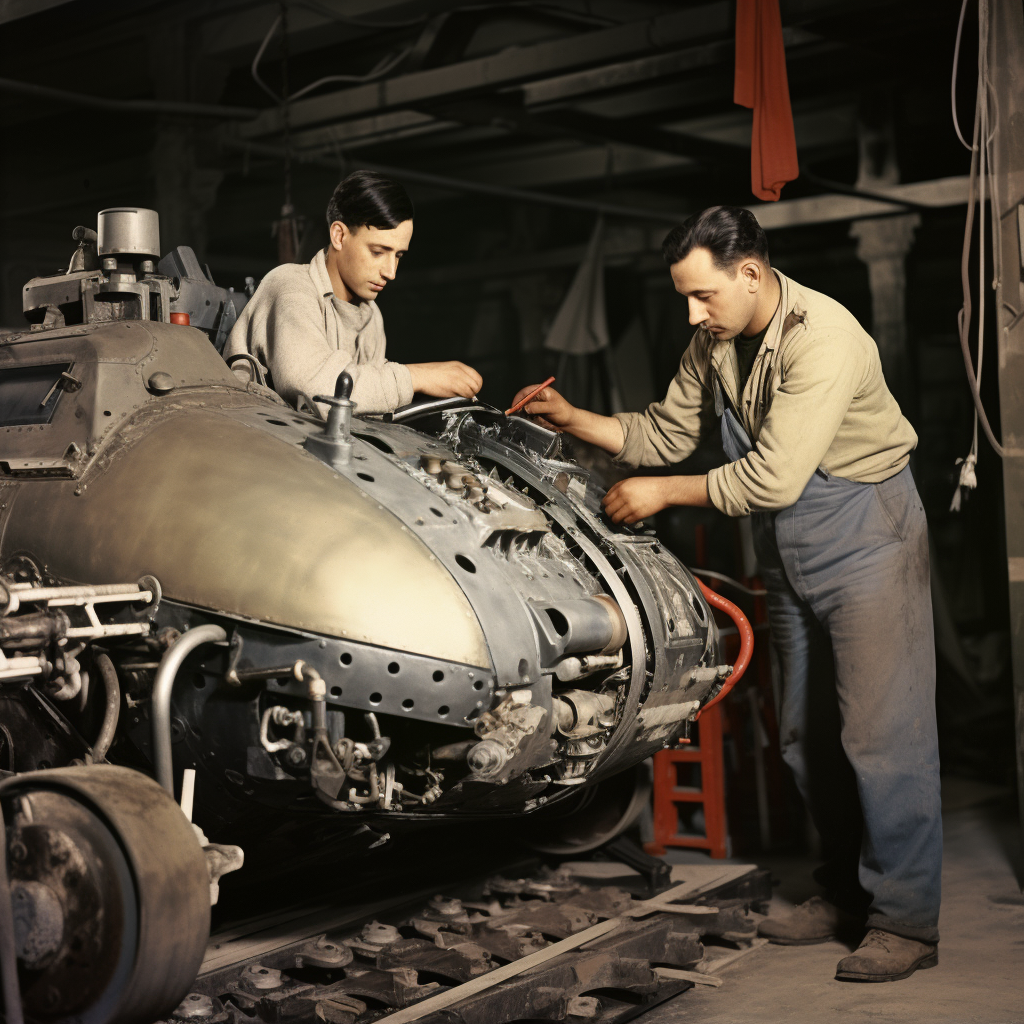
298	327
815	400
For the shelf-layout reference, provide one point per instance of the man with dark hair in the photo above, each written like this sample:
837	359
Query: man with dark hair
309	322
819	459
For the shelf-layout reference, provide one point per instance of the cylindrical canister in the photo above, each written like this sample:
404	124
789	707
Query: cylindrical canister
129	230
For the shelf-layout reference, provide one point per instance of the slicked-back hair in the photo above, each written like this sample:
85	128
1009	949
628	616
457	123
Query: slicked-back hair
368	199
729	233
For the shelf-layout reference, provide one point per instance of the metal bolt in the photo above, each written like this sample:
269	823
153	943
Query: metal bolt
160	383
17	850
296	755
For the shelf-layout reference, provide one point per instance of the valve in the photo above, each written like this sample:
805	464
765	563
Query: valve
334	443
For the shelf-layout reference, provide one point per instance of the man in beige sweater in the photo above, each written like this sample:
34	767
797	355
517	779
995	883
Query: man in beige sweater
309	322
819	456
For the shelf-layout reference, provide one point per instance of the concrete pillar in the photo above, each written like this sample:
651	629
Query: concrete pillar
1005	50
883	244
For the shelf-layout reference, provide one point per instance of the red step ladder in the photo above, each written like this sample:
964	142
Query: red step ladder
693	774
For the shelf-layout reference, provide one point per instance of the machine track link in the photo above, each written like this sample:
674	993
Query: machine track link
367	971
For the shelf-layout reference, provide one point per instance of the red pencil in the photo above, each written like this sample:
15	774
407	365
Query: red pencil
533	394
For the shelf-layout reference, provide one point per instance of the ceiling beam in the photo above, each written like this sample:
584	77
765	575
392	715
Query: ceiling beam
462	185
12	10
508	67
625	244
712	22
825	209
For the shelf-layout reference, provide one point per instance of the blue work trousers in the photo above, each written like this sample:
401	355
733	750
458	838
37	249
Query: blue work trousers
849	607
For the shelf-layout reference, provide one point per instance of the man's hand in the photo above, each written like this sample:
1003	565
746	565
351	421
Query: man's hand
636	498
640	497
549	408
445	380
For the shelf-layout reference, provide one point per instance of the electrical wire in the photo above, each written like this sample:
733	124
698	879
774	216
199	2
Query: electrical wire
980	175
382	67
729	580
386	64
956	65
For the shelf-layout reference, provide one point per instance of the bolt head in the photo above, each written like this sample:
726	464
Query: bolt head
160	383
296	755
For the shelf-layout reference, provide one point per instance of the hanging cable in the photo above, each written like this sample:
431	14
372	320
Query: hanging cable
722	578
254	68
381	68
980	176
956	65
286	228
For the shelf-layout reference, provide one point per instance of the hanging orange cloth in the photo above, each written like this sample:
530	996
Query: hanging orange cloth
761	84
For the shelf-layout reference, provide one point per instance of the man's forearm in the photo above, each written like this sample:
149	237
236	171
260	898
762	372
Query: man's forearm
688	490
604	431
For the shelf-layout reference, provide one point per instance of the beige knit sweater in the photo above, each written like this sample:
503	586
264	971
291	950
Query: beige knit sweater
815	399
306	336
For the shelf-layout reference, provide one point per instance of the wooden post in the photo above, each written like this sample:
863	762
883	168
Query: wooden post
1006	69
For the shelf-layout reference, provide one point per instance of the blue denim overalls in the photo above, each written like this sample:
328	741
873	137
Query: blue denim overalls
849	606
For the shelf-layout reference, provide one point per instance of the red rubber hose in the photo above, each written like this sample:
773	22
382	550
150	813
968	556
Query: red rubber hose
746	641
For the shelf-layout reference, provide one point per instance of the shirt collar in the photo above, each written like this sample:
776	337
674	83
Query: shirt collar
721	349
321	278
358	314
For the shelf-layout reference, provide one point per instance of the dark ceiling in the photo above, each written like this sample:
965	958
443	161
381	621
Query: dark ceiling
588	102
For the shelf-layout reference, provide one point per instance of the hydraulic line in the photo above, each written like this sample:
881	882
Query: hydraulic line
746	634
722	578
112	710
162	687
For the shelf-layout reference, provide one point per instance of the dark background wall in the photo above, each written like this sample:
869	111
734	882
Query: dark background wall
601	102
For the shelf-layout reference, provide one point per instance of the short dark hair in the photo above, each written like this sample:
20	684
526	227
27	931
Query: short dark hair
729	233
368	199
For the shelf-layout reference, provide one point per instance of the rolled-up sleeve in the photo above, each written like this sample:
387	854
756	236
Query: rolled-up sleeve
668	431
820	377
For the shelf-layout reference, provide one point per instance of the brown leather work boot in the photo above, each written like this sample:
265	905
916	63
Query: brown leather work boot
883	956
814	921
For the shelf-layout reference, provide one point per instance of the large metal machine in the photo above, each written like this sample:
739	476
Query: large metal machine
372	622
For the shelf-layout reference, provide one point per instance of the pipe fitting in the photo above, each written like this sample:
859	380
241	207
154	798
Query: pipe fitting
487	758
163	685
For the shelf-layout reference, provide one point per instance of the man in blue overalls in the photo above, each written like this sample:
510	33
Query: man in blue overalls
819	459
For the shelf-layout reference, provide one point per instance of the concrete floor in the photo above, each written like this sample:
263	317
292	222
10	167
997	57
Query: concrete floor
980	976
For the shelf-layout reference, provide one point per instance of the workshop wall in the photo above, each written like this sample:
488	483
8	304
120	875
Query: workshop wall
650	129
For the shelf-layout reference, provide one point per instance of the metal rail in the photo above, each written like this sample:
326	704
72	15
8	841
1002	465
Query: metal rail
484	938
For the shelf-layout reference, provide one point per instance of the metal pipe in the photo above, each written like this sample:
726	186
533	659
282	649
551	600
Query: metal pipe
162	687
78	99
112	710
457	402
8	946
